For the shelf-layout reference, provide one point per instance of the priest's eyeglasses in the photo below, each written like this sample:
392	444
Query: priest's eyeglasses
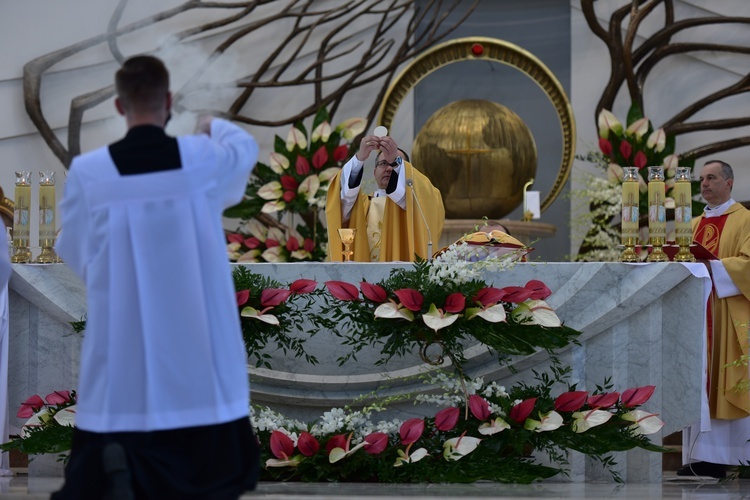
382	164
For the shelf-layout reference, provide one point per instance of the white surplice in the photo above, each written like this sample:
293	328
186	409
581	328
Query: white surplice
5	272
163	347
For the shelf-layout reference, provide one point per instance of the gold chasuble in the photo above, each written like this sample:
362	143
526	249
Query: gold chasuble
728	237
403	233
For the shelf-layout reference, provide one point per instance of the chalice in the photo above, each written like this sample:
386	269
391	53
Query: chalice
347	238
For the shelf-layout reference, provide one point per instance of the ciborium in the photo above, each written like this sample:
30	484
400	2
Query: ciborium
347	238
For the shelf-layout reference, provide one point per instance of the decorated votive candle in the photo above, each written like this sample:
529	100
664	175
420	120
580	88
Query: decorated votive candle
630	201
683	204
47	209
21	218
657	212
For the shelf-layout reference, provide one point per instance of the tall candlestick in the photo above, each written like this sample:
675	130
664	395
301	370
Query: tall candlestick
630	215
683	214
21	218
47	218
657	214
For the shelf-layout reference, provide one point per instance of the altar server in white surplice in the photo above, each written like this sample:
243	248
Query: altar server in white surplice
5	272
163	395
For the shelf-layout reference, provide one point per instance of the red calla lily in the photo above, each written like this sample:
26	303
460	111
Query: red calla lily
516	294
242	297
603	400
341	153
252	242
234	238
411	430
376	443
626	149
446	420
489	296
303	286
57	397
375	293
522	410
289	196
541	291
320	158
271	297
309	244
282	445
307	444
292	244
410	298
479	407
302	166
571	401
605	146
289	182
30	406
337	441
342	290
270	243
640	160
455	303
636	396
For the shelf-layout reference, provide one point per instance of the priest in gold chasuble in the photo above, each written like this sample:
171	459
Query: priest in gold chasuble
390	225
724	230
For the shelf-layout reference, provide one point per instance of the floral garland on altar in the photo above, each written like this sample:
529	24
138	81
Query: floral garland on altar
482	431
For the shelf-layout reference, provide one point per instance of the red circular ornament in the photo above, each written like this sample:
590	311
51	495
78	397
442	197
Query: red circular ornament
477	49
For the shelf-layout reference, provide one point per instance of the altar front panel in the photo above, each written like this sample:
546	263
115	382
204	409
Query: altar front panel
640	324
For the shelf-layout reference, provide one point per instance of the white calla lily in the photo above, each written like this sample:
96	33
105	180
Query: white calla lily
644	422
275	233
638	127
257	229
295	138
585	420
273	207
67	416
309	187
273	254
657	140
252	313
322	132
549	422
436	319
493	426
339	453
249	256
278	163
607	121
614	172
391	310
328	174
271	191
458	447
536	312
351	128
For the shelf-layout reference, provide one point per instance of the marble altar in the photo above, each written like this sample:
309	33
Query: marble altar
642	324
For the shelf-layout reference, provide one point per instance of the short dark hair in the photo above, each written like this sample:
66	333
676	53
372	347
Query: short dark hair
142	83
726	168
404	155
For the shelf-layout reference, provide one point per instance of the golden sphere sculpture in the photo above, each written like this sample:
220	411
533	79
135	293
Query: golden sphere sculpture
479	154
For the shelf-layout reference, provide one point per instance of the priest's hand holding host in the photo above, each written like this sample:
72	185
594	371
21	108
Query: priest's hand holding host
400	221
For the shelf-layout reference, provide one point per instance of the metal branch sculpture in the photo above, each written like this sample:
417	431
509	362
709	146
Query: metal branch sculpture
631	65
376	52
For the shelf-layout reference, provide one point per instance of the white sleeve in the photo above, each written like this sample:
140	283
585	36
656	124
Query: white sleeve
723	284
349	194
72	243
237	153
399	194
5	269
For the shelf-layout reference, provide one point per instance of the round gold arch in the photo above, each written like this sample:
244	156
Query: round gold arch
483	48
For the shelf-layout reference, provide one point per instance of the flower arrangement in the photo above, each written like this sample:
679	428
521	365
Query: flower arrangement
443	303
49	428
487	437
295	182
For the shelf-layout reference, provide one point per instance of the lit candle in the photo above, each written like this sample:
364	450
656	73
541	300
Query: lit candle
657	213
47	220
630	201
21	218
683	205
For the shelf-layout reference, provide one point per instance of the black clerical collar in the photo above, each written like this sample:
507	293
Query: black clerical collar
144	149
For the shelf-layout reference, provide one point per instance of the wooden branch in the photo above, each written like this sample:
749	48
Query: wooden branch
717	147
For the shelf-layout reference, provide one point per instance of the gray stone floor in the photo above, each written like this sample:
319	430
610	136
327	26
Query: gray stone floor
23	488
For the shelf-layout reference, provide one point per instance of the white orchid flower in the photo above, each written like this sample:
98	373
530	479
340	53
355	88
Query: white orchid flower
645	422
458	447
322	132
271	191
391	310
436	319
585	420
278	163
295	138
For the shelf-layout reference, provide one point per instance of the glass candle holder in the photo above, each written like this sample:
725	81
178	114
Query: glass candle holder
47	217
22	219
657	214
630	215
683	214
